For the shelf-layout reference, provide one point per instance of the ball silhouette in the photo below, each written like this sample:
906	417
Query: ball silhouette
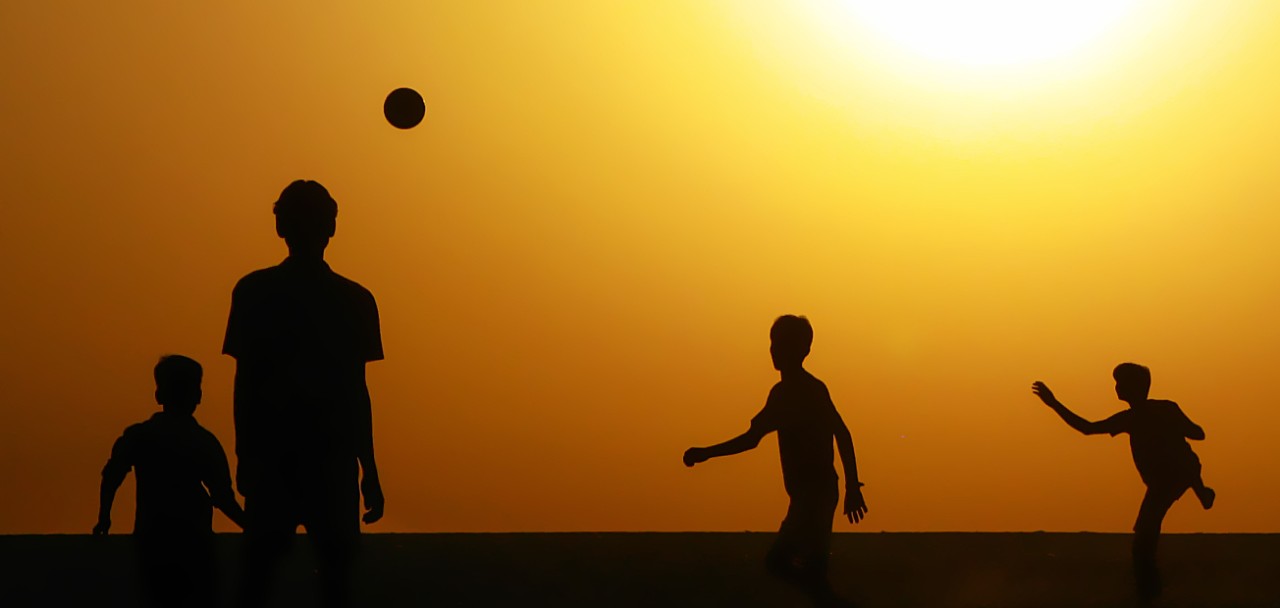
404	108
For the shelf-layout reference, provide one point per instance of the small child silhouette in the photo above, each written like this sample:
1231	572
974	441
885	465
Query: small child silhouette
1158	433
181	472
800	409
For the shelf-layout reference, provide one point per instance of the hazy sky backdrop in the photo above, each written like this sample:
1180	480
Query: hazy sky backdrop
578	254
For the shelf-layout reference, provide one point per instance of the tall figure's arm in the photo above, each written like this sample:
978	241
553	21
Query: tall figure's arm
370	485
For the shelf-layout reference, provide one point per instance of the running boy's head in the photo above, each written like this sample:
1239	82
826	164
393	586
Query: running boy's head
306	216
1133	382
178	384
790	339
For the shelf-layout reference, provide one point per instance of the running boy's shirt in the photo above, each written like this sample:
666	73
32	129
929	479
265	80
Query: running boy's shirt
801	411
175	460
1158	438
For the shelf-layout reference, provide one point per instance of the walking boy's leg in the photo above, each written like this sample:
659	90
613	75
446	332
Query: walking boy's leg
1146	536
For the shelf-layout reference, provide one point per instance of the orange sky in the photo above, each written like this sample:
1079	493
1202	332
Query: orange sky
578	254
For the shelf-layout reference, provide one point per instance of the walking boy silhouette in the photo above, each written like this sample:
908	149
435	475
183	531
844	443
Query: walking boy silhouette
1158	433
800	409
182	472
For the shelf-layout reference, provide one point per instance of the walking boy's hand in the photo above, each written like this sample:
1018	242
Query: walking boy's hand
693	456
1042	391
855	506
103	526
374	502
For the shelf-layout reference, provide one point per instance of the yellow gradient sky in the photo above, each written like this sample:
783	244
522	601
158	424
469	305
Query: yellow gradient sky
578	254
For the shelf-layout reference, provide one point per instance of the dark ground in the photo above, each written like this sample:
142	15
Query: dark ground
697	569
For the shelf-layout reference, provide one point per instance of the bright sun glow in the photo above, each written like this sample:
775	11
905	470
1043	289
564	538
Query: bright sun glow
979	33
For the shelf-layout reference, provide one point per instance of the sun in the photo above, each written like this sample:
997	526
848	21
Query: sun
988	33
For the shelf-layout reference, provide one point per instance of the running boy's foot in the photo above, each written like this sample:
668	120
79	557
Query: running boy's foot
1206	496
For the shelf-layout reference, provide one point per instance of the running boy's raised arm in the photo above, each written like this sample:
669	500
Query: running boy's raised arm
1071	418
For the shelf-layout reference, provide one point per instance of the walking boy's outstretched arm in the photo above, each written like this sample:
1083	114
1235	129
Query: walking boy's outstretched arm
855	506
737	445
1071	418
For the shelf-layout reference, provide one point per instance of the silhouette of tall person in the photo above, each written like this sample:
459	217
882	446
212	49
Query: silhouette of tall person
800	409
301	335
1158	433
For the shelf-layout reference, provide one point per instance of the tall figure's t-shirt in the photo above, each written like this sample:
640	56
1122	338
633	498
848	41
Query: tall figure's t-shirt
300	334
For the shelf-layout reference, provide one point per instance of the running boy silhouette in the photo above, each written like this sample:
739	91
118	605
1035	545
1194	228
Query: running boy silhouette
799	408
181	474
1158	433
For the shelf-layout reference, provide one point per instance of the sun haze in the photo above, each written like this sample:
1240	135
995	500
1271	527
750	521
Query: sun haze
577	255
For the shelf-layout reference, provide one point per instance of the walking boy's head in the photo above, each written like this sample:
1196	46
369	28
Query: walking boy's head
178	383
1133	382
306	216
790	339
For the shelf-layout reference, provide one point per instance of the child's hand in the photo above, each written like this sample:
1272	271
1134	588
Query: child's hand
693	456
104	525
855	506
1042	391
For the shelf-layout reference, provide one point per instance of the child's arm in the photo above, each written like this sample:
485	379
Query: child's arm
218	481
1071	418
113	475
855	506
737	445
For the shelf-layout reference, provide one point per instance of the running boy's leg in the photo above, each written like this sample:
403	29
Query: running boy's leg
1146	536
1204	493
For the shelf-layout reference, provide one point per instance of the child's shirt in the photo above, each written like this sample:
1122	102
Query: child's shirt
801	411
1158	433
175	460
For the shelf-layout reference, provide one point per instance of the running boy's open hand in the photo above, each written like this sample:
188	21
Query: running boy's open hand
1042	391
855	506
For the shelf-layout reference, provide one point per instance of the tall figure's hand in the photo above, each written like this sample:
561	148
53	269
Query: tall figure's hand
374	503
1042	391
103	526
693	456
855	506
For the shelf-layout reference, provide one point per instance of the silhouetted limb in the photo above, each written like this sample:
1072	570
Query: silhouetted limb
799	408
1204	494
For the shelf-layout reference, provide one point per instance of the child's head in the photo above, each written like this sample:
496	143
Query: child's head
1133	382
178	383
790	339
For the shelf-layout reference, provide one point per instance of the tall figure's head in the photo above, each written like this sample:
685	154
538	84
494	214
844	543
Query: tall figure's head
1133	382
178	383
789	341
306	218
